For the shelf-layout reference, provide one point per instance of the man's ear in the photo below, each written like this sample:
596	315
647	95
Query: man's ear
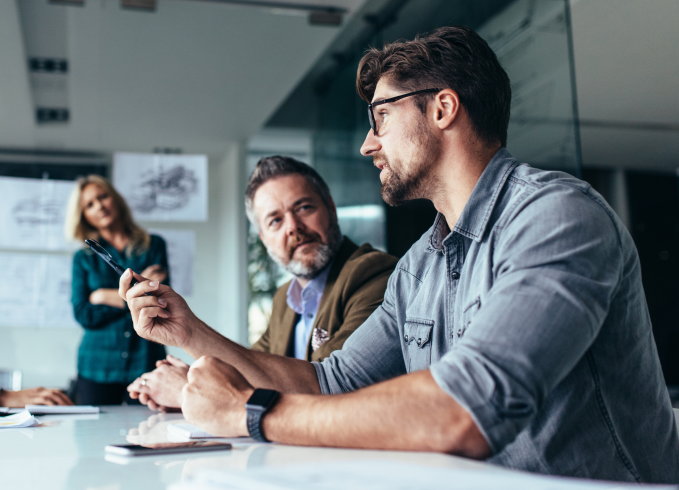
446	108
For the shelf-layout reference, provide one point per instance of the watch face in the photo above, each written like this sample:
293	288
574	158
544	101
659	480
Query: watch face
262	398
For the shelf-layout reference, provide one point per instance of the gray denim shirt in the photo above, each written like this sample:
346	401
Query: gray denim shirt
531	314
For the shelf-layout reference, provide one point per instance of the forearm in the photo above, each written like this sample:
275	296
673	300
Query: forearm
5	398
108	297
261	369
406	413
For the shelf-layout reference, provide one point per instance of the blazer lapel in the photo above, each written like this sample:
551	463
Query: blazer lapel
346	250
284	343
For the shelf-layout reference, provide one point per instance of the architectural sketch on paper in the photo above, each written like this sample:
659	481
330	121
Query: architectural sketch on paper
36	211
162	187
32	213
165	190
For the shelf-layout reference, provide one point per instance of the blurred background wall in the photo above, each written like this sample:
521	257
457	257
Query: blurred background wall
594	94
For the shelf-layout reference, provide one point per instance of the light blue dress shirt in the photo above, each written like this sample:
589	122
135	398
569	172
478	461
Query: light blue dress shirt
305	303
531	314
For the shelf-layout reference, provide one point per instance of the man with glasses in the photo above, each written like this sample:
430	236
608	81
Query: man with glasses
516	330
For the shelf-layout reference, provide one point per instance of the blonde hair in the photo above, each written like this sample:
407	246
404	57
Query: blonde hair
77	227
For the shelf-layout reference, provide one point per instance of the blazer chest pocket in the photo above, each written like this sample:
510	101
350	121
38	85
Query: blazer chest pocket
417	338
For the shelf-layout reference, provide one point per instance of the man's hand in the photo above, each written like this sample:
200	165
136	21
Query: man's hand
215	396
158	313
161	389
33	396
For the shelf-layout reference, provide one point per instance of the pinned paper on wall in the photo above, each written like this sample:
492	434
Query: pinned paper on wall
162	187
36	291
32	213
181	251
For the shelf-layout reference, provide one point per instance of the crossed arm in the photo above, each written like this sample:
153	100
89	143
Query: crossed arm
387	415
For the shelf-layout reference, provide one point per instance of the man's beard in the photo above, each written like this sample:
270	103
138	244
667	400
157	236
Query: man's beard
325	253
399	188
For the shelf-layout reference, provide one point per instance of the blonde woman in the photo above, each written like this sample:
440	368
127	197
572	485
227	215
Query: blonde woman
111	354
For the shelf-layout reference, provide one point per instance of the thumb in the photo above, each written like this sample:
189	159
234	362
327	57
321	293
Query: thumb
138	277
176	362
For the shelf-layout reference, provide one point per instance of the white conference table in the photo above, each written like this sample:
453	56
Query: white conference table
67	452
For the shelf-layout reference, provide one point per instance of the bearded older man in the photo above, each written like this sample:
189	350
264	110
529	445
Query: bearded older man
337	285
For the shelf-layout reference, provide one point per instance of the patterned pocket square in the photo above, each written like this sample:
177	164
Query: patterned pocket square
318	338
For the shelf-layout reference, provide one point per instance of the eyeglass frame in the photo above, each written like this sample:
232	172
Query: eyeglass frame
371	114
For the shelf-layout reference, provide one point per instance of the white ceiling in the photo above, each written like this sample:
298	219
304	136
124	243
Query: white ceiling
198	75
627	67
192	75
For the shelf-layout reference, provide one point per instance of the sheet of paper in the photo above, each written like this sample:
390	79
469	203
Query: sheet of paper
388	475
32	213
184	432
21	419
61	409
181	252
188	431
163	187
35	290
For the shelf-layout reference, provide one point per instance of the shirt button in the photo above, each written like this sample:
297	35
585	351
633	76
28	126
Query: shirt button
455	275
127	334
123	355
406	338
309	315
459	332
419	342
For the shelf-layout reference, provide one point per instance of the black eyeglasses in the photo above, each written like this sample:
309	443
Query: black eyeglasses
371	114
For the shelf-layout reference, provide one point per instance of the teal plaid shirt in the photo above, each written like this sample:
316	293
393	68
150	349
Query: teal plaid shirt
111	351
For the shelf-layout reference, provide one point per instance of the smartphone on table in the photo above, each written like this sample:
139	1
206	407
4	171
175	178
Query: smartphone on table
167	448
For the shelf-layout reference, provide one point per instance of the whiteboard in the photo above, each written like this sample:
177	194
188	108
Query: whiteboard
32	213
162	187
35	291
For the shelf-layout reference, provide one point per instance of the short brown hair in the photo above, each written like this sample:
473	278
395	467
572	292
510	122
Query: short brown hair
450	57
275	166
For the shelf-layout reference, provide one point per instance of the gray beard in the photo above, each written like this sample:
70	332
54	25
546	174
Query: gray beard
326	252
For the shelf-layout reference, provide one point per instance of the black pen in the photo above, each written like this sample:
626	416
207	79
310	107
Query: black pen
101	252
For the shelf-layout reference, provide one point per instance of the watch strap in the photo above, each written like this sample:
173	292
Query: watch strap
255	425
255	414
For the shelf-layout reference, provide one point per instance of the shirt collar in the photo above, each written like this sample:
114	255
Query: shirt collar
316	285
474	219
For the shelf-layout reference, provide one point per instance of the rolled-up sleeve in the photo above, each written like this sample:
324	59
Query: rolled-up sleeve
371	354
557	262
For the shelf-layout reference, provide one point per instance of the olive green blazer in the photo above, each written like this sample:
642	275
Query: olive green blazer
354	289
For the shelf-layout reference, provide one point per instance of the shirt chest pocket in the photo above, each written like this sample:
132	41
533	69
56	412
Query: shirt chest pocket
417	338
